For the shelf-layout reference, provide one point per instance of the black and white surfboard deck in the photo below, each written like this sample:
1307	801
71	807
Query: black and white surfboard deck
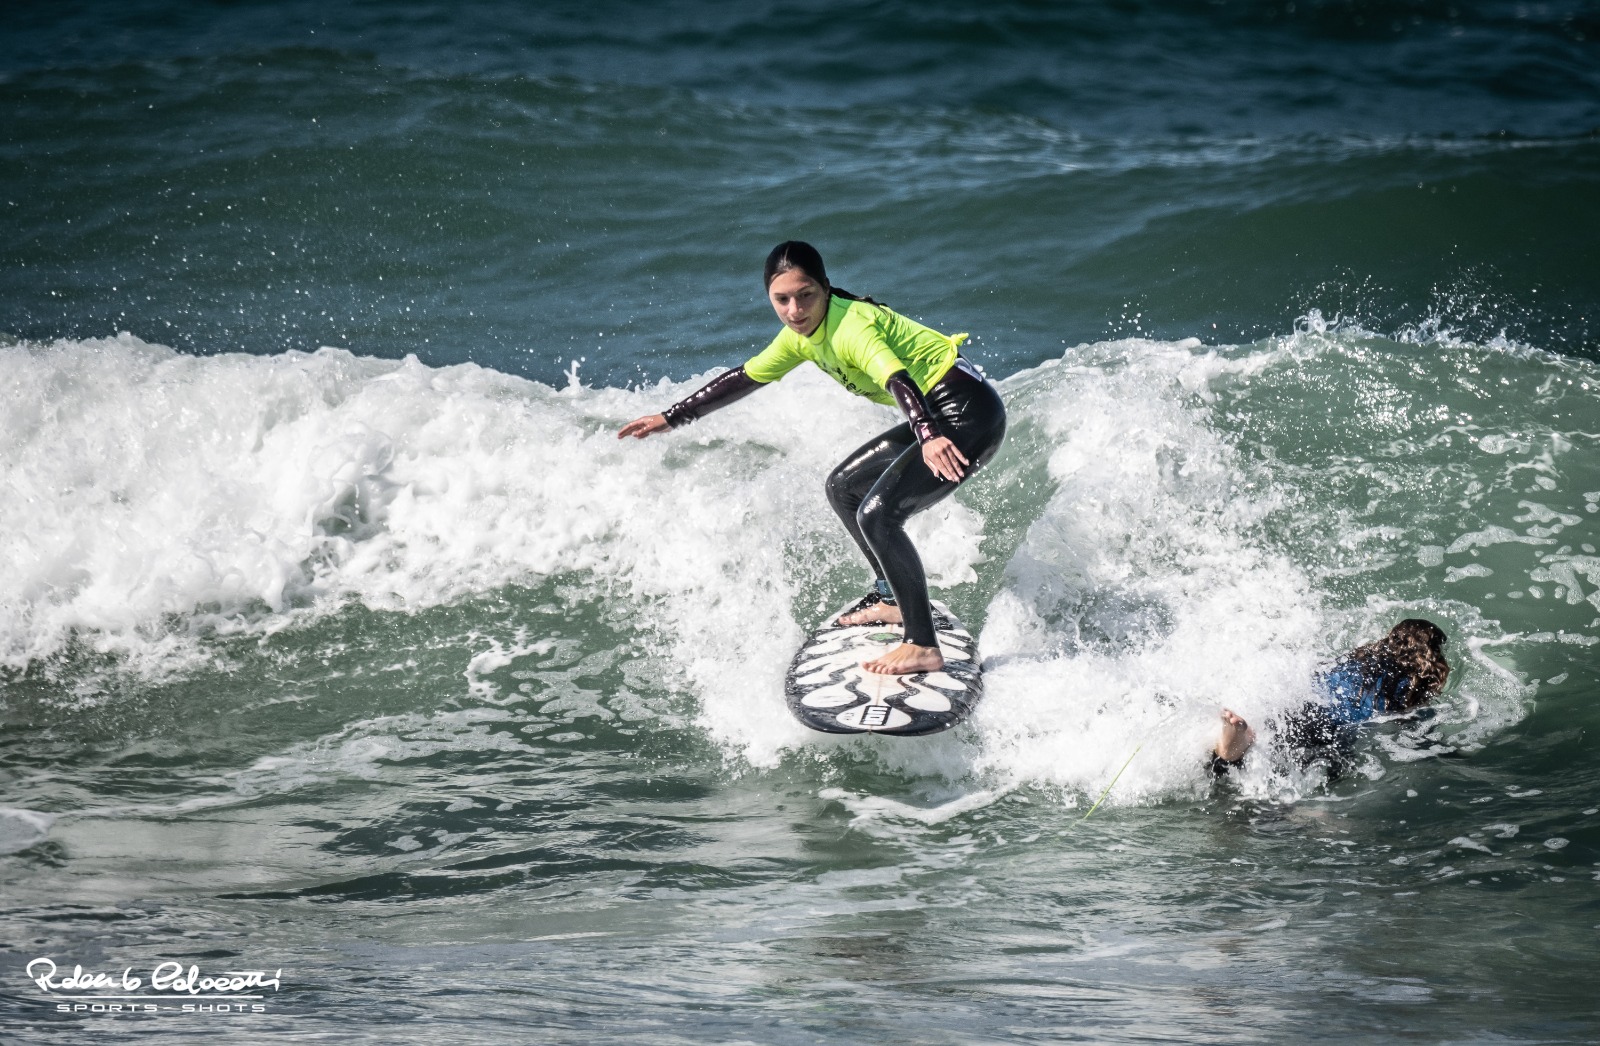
828	689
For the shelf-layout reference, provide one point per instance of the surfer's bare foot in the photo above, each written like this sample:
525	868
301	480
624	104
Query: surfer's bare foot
875	614
906	659
1235	739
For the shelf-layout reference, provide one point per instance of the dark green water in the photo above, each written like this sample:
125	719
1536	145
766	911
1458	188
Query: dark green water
387	667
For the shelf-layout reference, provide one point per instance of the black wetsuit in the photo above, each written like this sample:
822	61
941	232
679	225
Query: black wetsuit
885	481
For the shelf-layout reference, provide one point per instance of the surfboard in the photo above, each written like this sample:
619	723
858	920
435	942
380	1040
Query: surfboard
828	690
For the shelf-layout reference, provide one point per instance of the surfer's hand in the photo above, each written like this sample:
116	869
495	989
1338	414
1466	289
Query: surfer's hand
639	428
944	459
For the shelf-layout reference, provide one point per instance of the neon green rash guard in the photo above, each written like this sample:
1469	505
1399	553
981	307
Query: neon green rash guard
861	346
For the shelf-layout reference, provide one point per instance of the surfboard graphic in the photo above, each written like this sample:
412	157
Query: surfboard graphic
828	690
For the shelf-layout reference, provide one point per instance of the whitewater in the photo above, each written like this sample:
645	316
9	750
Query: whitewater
1134	536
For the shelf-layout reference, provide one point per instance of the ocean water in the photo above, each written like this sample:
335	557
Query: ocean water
341	640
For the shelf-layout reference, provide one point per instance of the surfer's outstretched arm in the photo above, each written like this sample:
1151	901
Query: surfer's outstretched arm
727	387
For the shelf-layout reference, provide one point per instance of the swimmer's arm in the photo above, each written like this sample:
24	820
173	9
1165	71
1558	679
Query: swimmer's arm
727	387
943	458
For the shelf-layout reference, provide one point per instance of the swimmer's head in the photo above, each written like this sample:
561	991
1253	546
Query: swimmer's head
1416	632
1414	650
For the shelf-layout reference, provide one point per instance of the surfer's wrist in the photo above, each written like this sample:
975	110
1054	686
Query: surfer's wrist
924	423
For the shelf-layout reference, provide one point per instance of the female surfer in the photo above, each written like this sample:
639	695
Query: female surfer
1394	675
954	424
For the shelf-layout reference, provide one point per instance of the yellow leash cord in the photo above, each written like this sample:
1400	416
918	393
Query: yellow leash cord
1110	786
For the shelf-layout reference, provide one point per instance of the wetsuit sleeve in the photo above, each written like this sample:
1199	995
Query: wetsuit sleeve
720	391
774	361
924	425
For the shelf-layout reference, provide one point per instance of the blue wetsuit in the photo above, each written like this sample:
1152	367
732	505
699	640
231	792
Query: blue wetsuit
1359	692
1356	691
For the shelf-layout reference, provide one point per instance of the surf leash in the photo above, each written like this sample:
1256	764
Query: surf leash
1110	786
1125	763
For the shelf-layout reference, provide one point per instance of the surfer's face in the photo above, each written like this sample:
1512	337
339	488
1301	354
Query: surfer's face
800	302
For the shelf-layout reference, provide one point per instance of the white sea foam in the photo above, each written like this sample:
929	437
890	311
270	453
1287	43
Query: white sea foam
159	497
1142	601
1157	585
873	807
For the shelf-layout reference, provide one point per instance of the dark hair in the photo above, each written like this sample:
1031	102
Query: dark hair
1412	653
797	254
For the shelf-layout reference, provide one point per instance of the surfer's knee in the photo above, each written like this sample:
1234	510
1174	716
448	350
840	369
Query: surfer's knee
837	486
875	519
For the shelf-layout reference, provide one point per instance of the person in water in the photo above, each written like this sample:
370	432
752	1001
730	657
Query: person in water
1393	676
954	424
